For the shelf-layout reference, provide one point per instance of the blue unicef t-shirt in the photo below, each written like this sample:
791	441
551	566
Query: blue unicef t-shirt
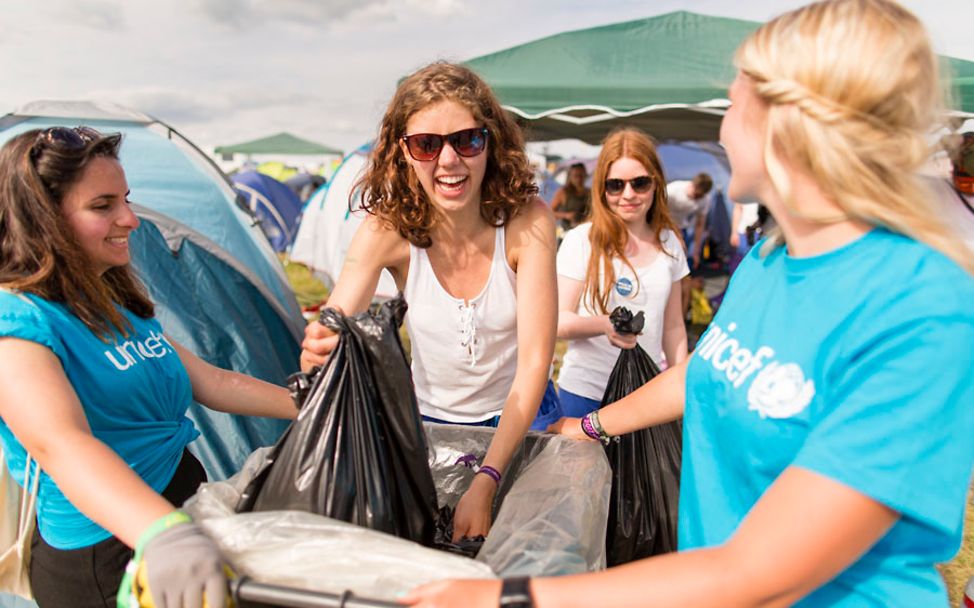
856	365
134	391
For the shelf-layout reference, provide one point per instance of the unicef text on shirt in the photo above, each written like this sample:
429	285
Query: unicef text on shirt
130	353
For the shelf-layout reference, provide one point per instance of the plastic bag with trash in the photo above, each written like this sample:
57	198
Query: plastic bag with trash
645	464
356	451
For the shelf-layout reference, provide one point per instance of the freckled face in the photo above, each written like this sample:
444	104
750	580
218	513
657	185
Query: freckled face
97	212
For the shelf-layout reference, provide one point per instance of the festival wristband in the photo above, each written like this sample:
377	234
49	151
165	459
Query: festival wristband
126	598
491	472
588	429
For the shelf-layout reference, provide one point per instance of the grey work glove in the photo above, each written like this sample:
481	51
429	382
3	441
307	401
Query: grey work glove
181	564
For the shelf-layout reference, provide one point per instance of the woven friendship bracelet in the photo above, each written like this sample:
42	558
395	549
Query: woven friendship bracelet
597	425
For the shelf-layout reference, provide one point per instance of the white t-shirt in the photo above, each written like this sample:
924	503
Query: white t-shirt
749	215
684	209
589	361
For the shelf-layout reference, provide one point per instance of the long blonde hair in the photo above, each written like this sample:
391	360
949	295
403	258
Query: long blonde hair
853	92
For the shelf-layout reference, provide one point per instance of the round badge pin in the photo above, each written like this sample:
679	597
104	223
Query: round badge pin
623	286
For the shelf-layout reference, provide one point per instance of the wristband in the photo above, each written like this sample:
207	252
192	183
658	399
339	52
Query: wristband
126	598
516	593
588	429
591	423
491	472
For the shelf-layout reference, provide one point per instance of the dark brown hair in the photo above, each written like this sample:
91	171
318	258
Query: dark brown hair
38	253
390	189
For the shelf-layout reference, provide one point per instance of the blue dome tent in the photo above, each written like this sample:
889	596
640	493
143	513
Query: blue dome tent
275	204
218	285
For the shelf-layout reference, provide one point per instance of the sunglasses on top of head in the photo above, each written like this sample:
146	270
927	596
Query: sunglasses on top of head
65	138
427	146
640	185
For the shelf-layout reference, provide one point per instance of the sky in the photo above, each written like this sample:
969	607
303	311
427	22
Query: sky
227	71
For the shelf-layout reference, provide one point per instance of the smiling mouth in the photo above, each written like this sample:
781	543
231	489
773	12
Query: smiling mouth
118	240
451	182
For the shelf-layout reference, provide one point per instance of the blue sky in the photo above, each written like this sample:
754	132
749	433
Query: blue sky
224	71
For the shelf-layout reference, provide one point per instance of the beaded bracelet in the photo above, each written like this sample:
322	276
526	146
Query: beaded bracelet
491	472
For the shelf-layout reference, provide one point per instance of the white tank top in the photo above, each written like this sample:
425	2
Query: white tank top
464	353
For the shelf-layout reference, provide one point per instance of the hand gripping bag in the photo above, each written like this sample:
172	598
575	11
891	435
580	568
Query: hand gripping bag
356	451
645	464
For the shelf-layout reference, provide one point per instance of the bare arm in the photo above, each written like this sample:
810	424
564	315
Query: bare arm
55	431
373	248
659	400
556	202
533	237
227	391
768	562
674	330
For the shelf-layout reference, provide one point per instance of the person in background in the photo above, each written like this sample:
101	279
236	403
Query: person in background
689	204
454	217
629	255
827	415
571	202
93	390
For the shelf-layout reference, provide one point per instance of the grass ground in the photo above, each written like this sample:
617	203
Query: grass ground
310	291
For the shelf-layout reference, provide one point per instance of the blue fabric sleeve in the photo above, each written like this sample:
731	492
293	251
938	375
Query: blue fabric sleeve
21	318
898	402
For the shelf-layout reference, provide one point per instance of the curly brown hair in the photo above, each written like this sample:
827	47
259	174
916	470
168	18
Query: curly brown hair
608	234
391	191
38	254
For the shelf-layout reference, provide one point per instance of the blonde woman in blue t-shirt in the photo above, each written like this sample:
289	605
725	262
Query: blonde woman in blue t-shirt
827	411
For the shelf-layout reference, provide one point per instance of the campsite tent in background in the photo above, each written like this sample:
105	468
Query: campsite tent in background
279	156
328	224
275	205
280	144
220	289
667	75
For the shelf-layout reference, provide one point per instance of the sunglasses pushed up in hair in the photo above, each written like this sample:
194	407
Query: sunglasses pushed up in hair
64	138
427	146
640	185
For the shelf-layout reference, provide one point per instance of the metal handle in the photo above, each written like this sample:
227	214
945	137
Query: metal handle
248	593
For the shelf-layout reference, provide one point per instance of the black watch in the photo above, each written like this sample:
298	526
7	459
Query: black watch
516	593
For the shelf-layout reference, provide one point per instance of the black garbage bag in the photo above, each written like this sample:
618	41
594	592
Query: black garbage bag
645	464
357	451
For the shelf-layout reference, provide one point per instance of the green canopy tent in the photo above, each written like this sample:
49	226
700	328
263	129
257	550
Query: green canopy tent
667	75
282	143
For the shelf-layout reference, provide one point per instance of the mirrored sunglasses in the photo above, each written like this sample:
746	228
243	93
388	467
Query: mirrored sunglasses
427	146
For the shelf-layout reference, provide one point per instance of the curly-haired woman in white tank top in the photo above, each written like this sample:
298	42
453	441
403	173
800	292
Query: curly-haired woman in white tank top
454	216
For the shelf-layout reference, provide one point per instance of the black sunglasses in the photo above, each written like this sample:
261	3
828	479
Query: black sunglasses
427	146
640	185
65	138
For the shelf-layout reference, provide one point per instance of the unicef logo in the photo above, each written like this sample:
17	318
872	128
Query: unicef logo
780	391
623	286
